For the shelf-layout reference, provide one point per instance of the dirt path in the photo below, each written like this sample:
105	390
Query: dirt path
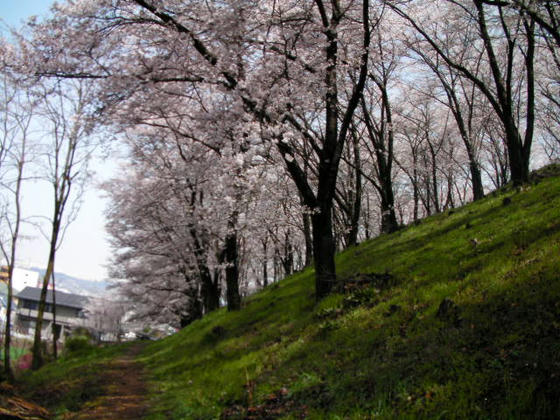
124	391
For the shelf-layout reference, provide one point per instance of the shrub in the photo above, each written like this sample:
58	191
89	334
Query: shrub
77	344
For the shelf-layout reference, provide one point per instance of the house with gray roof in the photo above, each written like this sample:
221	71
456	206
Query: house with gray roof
69	311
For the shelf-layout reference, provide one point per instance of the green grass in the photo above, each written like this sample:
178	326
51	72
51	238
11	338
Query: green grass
383	352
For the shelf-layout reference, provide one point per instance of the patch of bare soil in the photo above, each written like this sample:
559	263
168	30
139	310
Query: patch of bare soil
123	394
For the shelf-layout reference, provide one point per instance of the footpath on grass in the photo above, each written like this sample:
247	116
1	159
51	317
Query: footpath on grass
120	394
123	391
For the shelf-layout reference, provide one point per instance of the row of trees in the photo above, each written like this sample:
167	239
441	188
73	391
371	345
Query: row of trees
45	138
266	135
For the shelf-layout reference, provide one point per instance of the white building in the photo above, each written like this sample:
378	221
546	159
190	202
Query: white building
22	278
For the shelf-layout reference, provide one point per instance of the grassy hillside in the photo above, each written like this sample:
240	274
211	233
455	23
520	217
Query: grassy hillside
384	350
458	317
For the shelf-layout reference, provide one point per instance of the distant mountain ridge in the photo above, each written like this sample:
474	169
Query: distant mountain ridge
75	285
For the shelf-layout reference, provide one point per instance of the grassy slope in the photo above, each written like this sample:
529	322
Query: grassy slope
383	351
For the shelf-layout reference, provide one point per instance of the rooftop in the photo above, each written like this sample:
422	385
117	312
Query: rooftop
62	299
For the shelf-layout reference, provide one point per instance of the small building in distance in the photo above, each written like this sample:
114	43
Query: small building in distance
69	312
21	278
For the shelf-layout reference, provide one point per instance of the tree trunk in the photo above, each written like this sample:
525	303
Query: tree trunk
356	204
194	313
308	240
476	179
288	260
55	350
449	201
434	177
324	252
265	262
518	161
232	271
389	222
36	349
7	336
210	290
416	199
367	216
265	272
276	264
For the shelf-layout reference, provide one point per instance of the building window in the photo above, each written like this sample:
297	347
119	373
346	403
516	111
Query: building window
29	304
34	306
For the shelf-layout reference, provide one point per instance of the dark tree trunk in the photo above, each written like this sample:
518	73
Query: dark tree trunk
389	222
416	198
232	271
428	200
324	252
210	289
367	218
194	312
518	161
434	177
210	292
288	260
54	332
476	179
449	201
356	203
276	264
308	240
388	219
265	262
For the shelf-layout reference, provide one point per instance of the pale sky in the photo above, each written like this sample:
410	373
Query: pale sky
85	250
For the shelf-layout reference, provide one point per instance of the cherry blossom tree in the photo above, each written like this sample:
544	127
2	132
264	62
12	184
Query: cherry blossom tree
218	100
461	97
106	315
508	42
377	118
255	54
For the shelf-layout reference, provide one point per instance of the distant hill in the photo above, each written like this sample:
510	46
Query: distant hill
70	284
